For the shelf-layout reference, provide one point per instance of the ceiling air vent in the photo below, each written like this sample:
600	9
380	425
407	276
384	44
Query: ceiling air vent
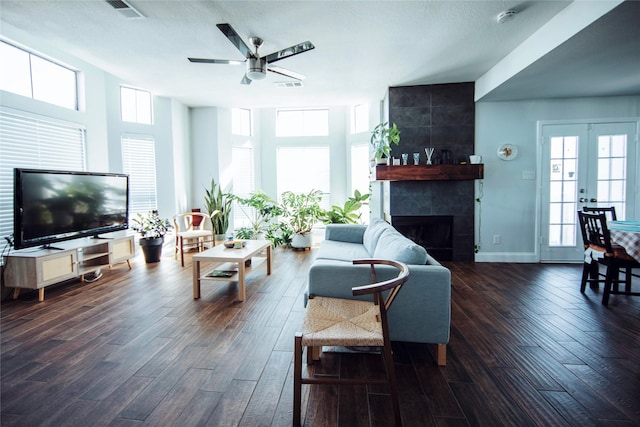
288	84
125	9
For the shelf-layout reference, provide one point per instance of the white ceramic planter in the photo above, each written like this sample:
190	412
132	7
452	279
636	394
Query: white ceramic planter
301	241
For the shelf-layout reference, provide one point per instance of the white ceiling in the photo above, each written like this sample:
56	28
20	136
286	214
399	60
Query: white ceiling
362	47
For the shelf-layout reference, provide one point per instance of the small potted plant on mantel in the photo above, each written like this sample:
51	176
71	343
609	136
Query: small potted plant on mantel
152	229
382	137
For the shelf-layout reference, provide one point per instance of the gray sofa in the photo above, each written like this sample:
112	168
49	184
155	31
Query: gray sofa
422	310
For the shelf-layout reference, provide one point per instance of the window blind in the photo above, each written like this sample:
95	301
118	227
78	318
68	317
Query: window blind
243	184
139	162
37	143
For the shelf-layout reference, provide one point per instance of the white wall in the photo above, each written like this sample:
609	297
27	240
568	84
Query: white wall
509	203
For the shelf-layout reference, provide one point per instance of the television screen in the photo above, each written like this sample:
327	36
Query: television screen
51	206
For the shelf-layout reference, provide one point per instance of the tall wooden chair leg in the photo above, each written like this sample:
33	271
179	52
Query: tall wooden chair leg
297	379
608	283
387	357
182	251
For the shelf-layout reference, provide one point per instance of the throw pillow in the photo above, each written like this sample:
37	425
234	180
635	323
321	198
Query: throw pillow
393	245
374	230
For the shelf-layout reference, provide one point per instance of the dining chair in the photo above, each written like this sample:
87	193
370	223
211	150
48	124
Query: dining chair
600	248
609	211
193	230
349	323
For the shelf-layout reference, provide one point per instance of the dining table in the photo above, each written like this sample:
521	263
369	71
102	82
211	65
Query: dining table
627	235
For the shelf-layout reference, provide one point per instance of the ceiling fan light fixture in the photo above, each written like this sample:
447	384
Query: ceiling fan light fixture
256	68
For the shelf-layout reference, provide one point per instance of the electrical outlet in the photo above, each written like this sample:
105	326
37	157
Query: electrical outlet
496	239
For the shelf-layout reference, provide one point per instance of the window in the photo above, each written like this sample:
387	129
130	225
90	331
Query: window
139	162
302	169
32	76
135	105
302	122
241	121
360	175
360	118
243	183
28	142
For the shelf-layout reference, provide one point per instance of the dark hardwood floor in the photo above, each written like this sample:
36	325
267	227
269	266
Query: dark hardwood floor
134	348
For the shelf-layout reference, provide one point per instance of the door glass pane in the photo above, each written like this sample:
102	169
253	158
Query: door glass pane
612	172
563	191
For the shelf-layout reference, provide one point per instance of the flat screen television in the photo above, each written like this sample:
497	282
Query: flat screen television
51	206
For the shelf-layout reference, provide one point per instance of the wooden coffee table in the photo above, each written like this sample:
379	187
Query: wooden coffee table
228	261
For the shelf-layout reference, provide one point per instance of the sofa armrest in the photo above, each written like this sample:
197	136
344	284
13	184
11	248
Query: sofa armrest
351	233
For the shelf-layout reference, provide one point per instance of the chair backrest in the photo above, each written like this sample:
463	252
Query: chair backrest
376	288
610	212
595	232
185	222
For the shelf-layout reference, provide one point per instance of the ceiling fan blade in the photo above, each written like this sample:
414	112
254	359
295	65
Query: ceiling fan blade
245	80
287	73
235	39
290	51
216	61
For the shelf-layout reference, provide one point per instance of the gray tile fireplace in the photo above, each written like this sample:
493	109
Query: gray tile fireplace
439	215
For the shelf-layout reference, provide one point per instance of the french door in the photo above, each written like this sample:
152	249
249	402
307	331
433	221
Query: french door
586	164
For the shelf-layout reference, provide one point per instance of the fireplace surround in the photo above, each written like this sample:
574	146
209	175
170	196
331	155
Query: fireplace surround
440	116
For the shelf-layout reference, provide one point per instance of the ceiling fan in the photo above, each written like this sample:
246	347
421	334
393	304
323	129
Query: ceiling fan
257	66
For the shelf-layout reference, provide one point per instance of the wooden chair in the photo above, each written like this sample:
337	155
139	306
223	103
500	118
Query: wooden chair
610	211
591	271
345	322
190	236
597	240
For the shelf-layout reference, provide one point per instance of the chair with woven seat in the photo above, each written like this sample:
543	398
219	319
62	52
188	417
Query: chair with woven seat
193	230
600	248
349	323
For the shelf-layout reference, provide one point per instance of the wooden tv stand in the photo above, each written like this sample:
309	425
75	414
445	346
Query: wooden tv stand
37	268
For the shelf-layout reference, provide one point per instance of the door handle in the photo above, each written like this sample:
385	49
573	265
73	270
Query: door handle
593	200
583	200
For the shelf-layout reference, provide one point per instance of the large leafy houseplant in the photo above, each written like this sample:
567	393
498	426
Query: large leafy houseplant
382	137
349	213
261	210
300	212
218	205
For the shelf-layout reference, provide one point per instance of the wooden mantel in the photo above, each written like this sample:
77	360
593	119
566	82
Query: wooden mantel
429	172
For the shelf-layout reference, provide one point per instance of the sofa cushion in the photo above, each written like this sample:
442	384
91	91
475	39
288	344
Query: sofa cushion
341	251
372	234
393	245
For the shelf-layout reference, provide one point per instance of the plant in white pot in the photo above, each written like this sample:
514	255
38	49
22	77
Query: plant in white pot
382	137
152	229
300	212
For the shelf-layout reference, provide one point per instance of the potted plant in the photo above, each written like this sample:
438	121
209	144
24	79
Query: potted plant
218	207
260	209
300	212
349	213
152	229
382	137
